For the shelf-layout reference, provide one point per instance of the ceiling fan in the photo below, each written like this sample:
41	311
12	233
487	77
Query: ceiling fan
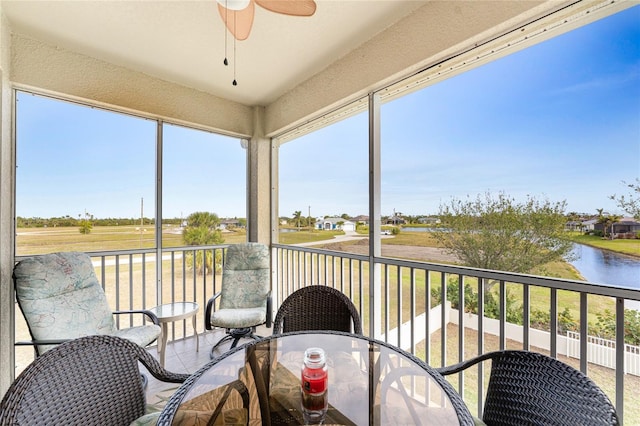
237	15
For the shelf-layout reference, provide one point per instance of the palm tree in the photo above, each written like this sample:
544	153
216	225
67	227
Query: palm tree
297	215
613	219
202	229
606	221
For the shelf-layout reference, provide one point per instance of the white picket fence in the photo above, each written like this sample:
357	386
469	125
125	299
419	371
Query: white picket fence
603	352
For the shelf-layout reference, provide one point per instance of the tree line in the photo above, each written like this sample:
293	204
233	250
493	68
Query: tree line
67	221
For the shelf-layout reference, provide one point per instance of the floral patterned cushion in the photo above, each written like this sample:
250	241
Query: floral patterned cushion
61	298
143	335
246	282
238	318
150	419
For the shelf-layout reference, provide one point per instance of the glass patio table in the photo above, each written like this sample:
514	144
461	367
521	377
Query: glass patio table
370	382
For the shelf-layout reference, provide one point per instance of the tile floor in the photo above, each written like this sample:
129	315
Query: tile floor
181	357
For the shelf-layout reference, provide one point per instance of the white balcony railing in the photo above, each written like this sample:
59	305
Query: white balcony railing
399	302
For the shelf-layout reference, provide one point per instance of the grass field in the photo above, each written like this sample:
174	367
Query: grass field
102	238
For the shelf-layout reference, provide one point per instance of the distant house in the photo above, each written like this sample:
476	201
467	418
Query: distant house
627	227
589	225
335	223
362	219
395	220
573	225
429	220
229	223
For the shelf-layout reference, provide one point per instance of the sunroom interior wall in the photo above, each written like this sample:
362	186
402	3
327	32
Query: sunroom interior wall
46	68
7	176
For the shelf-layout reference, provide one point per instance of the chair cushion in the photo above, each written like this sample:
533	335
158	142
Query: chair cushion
246	277
247	256
61	298
150	419
238	318
142	335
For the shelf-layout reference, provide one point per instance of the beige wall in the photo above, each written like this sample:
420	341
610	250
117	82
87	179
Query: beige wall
7	174
48	68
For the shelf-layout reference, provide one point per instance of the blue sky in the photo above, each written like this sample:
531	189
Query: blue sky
559	120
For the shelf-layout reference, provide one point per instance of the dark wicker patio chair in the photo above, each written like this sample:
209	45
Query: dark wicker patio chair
529	388
317	307
92	380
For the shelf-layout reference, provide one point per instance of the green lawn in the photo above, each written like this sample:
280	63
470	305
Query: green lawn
102	238
630	247
305	236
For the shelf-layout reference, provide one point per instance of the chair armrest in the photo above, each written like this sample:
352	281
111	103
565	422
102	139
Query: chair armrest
457	368
269	310
149	314
41	342
210	308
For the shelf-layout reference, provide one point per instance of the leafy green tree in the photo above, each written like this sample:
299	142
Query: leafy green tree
499	233
85	224
630	203
202	230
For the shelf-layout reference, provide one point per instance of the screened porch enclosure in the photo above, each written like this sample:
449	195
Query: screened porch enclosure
338	123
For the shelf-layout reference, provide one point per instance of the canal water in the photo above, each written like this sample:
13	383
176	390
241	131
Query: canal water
595	265
605	267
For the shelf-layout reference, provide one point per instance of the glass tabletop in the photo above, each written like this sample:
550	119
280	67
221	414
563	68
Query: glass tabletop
370	382
175	310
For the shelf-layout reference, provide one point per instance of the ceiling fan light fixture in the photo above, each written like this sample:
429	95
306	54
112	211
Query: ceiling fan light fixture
234	4
237	16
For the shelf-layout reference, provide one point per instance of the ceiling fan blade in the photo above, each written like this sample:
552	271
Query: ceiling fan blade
238	22
289	7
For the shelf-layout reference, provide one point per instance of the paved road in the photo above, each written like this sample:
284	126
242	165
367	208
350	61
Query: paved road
348	236
431	254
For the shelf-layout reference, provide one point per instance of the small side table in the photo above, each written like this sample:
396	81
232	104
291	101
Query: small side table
171	312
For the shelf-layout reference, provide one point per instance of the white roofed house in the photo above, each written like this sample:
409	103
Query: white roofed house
335	223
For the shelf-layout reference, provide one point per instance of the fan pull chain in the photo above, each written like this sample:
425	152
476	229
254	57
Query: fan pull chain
235	58
226	11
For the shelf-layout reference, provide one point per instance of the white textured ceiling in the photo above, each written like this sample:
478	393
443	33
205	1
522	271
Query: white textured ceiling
183	41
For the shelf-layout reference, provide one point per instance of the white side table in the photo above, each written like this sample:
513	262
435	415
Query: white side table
171	312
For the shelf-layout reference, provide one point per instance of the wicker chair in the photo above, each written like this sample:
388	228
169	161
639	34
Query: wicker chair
529	388
93	380
317	307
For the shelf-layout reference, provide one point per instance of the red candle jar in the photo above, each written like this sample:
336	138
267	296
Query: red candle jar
314	380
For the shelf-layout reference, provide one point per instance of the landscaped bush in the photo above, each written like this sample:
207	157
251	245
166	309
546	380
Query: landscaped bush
605	327
491	302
